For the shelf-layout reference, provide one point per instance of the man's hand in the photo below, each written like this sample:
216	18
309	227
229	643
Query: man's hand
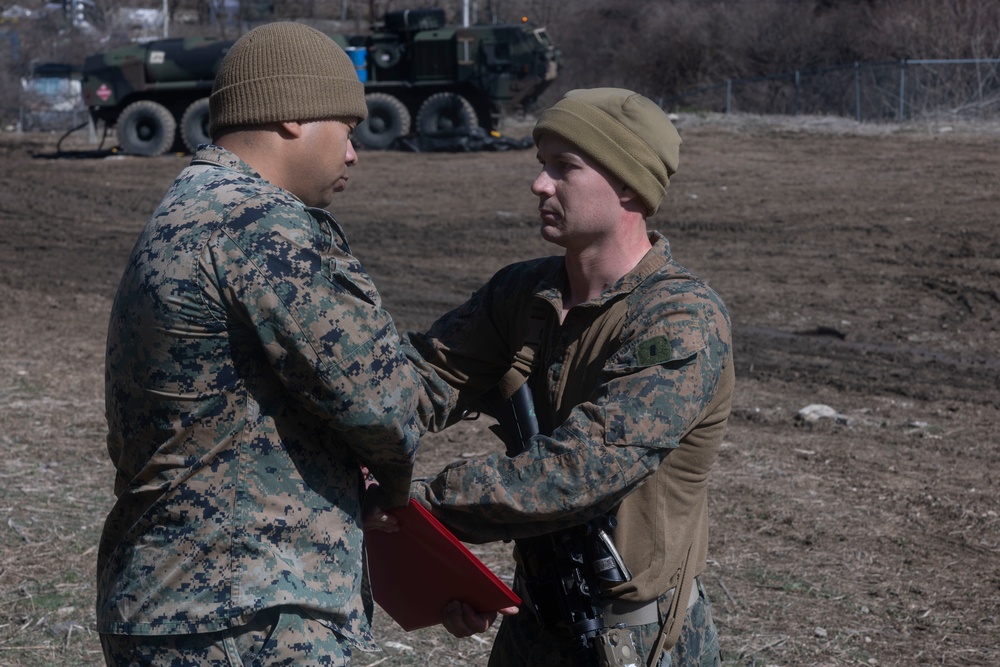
461	620
373	517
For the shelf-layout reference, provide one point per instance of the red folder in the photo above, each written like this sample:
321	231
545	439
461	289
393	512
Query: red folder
417	570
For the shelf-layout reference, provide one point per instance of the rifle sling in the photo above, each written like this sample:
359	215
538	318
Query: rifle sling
674	621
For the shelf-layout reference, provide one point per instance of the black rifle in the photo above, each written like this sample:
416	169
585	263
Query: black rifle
566	571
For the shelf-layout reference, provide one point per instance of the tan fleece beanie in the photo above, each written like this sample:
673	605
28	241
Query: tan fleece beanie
282	72
624	132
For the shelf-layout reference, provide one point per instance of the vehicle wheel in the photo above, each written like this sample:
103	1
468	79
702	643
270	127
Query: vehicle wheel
194	125
387	121
446	113
146	128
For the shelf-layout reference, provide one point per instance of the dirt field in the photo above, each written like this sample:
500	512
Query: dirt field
861	266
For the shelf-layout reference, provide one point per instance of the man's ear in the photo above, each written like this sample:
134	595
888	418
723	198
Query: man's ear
292	127
630	201
626	195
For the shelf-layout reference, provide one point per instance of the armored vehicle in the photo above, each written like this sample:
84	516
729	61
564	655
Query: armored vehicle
420	75
154	94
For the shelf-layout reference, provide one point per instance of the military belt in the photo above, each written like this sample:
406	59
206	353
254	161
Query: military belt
622	612
613	611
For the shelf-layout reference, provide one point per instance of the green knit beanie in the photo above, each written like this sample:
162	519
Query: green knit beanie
624	132
284	72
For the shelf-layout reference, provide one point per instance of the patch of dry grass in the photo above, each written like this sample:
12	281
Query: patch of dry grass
54	493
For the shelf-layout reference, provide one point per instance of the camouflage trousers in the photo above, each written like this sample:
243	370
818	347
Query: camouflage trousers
522	642
279	636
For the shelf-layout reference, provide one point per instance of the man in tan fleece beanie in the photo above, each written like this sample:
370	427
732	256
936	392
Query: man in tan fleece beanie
628	357
251	374
625	133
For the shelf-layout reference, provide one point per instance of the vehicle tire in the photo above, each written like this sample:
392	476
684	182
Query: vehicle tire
387	121
194	125
447	114
146	128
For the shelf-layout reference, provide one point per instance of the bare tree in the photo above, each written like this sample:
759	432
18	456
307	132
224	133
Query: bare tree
939	28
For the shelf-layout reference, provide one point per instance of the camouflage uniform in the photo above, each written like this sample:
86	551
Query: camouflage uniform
250	372
641	372
276	637
521	641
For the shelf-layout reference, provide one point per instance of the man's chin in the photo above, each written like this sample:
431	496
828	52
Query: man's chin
321	202
551	235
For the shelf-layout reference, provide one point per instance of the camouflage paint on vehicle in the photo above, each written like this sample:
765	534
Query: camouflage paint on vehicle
174	72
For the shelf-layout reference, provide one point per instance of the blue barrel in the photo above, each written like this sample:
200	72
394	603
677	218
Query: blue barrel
359	56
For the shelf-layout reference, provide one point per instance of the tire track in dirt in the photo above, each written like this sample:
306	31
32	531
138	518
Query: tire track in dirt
865	366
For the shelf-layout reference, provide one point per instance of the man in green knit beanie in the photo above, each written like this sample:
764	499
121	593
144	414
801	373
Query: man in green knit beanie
628	357
251	376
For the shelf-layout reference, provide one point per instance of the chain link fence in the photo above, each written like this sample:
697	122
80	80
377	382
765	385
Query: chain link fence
867	92
49	101
34	119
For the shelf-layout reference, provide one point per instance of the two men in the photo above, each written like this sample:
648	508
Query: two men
629	360
251	375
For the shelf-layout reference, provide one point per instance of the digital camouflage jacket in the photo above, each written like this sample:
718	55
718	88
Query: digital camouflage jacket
634	390
250	372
